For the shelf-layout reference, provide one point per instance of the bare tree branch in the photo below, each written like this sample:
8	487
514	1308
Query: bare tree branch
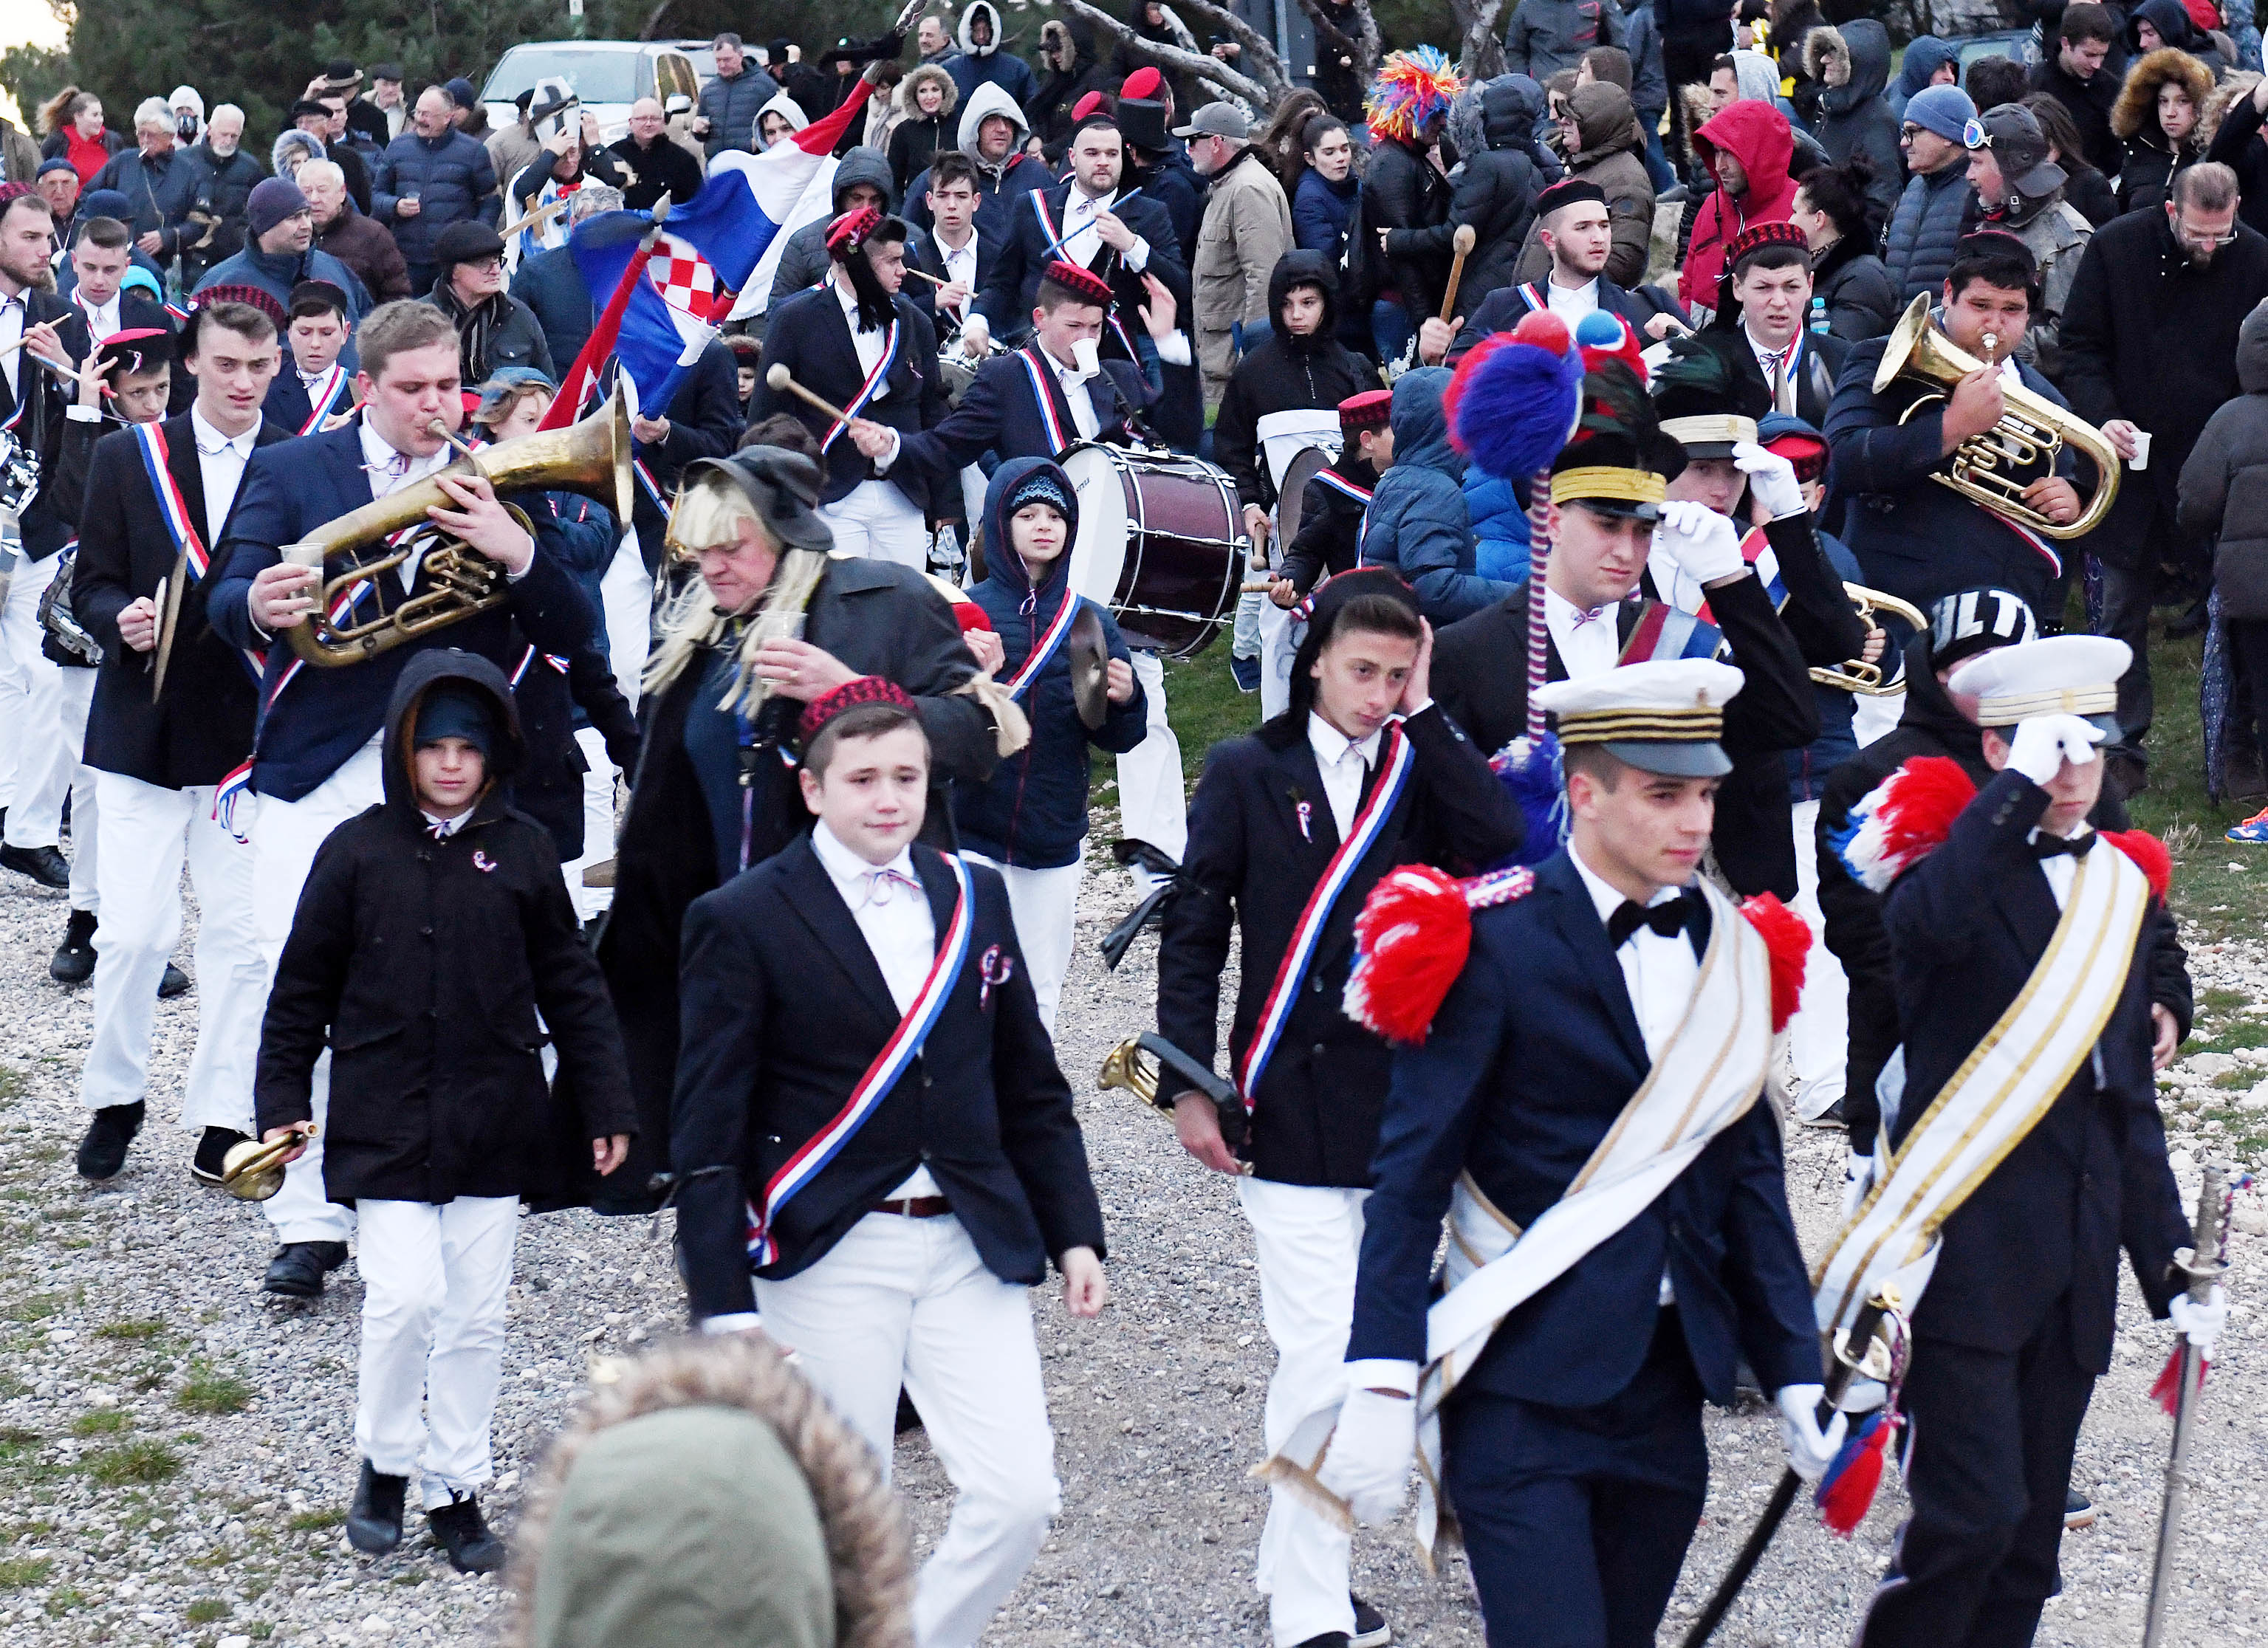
1362	48
652	28
1484	54
1259	52
1199	65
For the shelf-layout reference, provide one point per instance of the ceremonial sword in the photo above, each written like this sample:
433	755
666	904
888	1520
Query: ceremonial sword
2201	1265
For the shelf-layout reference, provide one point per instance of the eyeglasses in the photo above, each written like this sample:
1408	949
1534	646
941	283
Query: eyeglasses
2197	237
1908	132
484	265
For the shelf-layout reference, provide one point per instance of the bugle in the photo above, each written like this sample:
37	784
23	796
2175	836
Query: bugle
1856	675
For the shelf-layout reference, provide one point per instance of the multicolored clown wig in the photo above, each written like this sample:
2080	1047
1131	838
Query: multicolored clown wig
1413	87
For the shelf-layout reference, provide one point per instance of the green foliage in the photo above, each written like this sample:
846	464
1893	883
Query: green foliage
313	1521
16	1572
133	1331
207	1610
141	1461
102	1421
210	1392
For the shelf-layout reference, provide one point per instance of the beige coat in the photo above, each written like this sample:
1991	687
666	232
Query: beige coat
1247	229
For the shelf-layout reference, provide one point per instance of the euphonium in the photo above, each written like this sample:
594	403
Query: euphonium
1856	675
2031	430
592	458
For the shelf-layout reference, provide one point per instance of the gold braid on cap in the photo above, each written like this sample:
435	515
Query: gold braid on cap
1626	486
1622	725
1709	426
2010	708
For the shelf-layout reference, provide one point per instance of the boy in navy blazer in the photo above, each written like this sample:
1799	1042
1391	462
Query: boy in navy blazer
870	1118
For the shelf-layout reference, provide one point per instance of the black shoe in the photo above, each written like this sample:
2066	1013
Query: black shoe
1831	1117
44	865
299	1268
1371	1630
2078	1510
1245	673
1329	1639
174	983
102	1152
374	1519
212	1152
73	961
472	1549
2191	623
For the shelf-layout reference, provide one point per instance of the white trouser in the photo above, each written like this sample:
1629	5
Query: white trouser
434	1279
75	692
285	837
1152	807
146	831
1280	635
907	1300
1045	905
627	594
31	697
1819	1035
875	519
598	825
11	704
1307	1239
1871	716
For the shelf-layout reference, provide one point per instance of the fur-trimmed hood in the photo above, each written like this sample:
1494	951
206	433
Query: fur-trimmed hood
1059	47
1865	47
969	16
2136	113
927	74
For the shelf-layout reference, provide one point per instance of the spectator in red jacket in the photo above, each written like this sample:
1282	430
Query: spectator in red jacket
1748	148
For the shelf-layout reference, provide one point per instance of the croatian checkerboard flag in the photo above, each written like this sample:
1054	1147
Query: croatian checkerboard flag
712	245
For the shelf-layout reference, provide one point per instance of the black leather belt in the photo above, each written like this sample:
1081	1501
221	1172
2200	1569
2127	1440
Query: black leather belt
916	1207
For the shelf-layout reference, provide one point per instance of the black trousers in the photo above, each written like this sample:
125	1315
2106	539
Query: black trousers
1989	1465
2168	560
1576	1520
2247	725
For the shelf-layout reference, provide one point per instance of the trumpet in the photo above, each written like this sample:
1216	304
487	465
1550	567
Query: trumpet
253	1172
1856	675
2030	434
592	458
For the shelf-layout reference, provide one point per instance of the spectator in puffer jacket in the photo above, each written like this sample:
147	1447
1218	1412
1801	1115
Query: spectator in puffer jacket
1029	819
982	63
1918	247
1497	187
1604	147
431	176
1545	36
354	239
726	116
2224	496
233	174
1852	66
1929	61
1847	279
1748	148
929	98
2156	118
1418	525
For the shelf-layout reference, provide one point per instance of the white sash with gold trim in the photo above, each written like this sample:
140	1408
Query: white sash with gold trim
1705	1080
1999	1093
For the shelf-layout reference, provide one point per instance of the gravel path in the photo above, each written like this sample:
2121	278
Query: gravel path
176	1449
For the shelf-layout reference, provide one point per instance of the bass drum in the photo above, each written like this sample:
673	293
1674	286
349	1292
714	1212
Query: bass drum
1160	543
1292	498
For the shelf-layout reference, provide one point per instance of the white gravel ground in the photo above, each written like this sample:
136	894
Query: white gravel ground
176	1449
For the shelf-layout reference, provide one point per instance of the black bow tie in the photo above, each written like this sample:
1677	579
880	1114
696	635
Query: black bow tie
1668	920
2055	846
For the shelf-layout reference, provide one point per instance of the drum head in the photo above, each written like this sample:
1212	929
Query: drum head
1098	552
1284	436
1296	473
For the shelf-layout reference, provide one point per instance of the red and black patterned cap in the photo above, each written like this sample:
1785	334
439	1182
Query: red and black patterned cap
137	349
1083	284
1372	408
853	226
259	298
863	690
1757	237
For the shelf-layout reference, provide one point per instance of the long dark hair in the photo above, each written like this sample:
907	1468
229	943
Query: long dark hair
1279	144
1840	191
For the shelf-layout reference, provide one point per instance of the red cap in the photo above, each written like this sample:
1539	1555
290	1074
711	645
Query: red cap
1806	452
1081	283
1756	237
863	690
852	227
257	297
1091	104
1142	83
1372	408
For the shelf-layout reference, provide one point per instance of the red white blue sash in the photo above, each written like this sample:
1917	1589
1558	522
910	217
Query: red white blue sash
1340	484
520	670
897	1054
1057	246
174	509
653	487
231	790
1059	441
1664	632
1050	641
323	396
1396	760
1533	293
2039	545
868	390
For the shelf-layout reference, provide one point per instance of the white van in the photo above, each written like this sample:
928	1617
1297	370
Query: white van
609	76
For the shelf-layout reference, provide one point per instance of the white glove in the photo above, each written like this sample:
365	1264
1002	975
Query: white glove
2044	743
1857	1179
1704	544
1368	1465
2201	1324
1772	480
1810	1450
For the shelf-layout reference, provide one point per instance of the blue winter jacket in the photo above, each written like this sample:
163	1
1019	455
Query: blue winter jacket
1499	510
1418	524
1032	812
453	179
1925	231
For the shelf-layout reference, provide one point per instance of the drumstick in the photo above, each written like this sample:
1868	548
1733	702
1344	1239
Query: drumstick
1463	242
536	217
782	381
924	275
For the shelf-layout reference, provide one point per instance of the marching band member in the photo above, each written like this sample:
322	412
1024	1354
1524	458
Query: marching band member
2027	949
1575	227
1330	539
772	623
858	342
1583	1108
158	495
1917	540
318	382
1292	826
317	760
1032	813
870	1116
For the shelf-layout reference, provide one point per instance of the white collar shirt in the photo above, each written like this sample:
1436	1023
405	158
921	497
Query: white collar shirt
960	266
1345	763
1588	642
1572	303
11	328
1078	215
868	341
102	319
1073	383
390	471
1777	365
220	462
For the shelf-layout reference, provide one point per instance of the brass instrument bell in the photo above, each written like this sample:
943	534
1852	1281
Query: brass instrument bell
1856	675
1128	1066
253	1171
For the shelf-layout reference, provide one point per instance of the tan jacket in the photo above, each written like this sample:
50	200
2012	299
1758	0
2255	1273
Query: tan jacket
1247	229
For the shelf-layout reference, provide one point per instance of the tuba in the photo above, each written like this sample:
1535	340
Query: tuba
592	458
1856	675
2032	430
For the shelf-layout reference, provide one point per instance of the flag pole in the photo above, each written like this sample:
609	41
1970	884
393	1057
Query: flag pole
569	403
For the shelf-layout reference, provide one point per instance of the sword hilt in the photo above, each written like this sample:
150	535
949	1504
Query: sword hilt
2200	1264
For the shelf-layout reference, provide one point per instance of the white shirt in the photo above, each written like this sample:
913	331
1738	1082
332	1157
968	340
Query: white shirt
960	266
1572	303
1073	384
389	472
1783	358
1078	220
1586	647
440	828
894	918
102	319
1658	972
1343	763
220	462
866	340
11	328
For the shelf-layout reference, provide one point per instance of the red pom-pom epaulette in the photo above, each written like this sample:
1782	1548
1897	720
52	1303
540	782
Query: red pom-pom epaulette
1787	941
1411	940
2149	854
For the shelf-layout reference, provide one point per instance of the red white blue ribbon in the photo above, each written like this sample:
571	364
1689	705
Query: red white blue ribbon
2039	544
520	670
896	1057
1050	641
1058	441
1662	631
181	526
1396	760
868	390
231	789
322	396
1055	249
1340	484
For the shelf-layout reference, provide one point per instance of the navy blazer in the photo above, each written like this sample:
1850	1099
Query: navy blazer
1013	290
291	490
202	728
46	525
1967	925
287	404
1251	865
784	1008
810	335
1532	1056
999	413
928	256
1501	311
